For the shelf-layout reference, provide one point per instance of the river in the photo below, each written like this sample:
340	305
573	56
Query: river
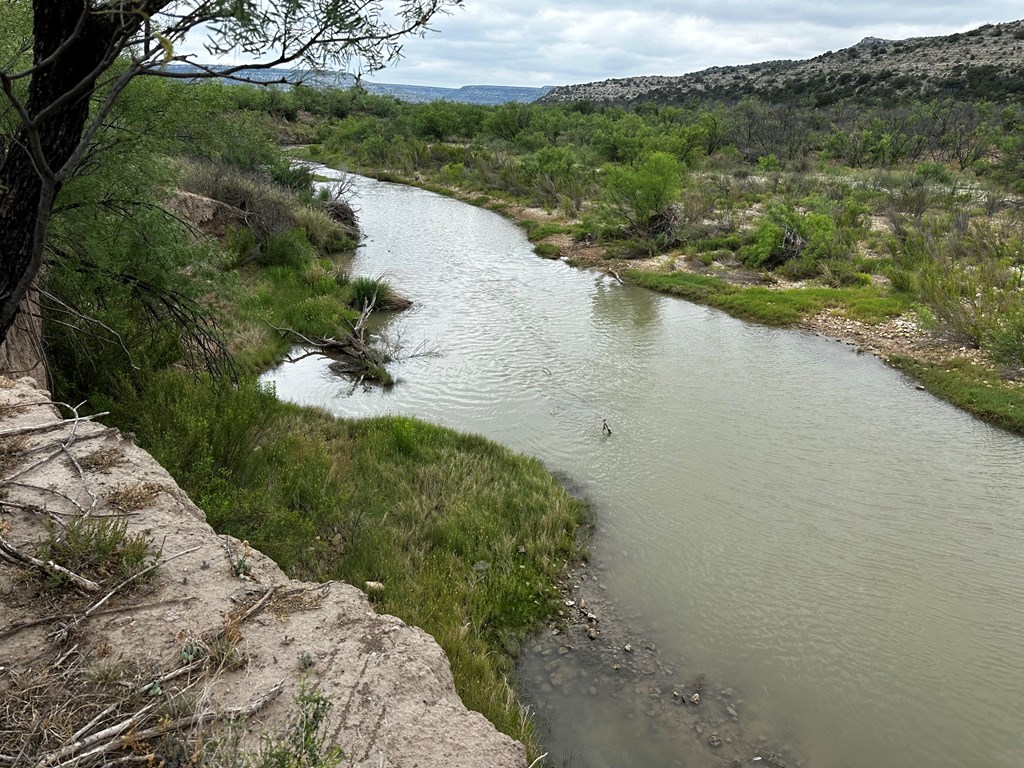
795	521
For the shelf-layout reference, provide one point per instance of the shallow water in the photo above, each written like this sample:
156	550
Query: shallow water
796	521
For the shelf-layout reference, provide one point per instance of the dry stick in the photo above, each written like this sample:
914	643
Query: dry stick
49	566
110	732
257	606
115	731
48	426
65	447
14	629
35	508
40	489
92	723
61	634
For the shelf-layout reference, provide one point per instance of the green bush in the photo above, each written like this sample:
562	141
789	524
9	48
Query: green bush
285	249
641	197
1004	339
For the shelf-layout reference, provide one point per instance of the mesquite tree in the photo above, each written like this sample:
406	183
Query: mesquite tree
58	87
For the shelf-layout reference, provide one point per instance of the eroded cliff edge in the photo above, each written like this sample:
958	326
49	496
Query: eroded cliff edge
215	629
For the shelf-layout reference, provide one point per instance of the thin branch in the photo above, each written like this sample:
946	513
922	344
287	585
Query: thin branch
9	553
64	632
48	426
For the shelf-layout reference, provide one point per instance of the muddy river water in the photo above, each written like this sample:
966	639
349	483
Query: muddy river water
840	553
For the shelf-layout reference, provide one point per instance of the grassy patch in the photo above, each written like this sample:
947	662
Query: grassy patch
763	305
312	299
538	230
547	250
974	388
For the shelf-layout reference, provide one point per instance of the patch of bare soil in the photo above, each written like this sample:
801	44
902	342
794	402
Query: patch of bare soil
130	630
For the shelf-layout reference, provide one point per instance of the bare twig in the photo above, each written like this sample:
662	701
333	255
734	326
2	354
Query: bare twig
13	555
48	426
65	631
14	629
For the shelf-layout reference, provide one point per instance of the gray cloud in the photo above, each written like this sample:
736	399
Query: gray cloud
527	42
532	42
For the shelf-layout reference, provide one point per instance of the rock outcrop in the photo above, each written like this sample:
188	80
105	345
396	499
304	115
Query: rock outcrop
394	703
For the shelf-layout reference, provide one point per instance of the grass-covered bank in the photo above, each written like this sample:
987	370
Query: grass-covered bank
974	388
467	538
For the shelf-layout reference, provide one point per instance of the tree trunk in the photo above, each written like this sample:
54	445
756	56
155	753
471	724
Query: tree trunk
21	354
27	191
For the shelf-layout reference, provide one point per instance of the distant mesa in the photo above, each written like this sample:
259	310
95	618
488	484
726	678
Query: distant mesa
468	94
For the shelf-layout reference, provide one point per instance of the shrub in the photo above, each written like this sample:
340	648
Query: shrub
285	249
324	232
378	291
641	197
1005	339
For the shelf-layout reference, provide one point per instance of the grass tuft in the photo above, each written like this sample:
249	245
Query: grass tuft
978	390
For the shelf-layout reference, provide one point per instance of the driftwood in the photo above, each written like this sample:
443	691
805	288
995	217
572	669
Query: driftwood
353	354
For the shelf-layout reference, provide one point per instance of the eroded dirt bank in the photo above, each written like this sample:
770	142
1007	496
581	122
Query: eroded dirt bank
215	633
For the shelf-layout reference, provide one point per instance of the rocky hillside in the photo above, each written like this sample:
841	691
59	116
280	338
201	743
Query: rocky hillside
984	63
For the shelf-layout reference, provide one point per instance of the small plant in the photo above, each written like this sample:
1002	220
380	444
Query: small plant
99	548
306	660
304	743
240	565
376	291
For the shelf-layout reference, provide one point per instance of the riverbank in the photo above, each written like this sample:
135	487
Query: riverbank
869	318
135	603
471	556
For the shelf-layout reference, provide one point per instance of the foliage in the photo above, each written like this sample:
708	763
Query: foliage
98	548
304	744
641	198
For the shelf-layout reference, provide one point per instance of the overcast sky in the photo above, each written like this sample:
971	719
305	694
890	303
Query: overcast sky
530	42
560	42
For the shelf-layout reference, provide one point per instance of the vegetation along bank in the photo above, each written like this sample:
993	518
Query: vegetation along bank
896	227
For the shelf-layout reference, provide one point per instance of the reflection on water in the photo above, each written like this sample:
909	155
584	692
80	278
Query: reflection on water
795	521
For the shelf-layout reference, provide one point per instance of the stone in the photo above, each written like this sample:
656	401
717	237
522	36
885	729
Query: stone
627	648
715	740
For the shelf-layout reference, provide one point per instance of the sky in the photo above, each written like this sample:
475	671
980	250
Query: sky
536	43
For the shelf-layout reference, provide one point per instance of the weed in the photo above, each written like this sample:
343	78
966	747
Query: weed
131	497
304	744
99	548
547	250
103	459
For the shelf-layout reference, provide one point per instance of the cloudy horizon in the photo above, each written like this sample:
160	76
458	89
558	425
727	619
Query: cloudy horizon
534	43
